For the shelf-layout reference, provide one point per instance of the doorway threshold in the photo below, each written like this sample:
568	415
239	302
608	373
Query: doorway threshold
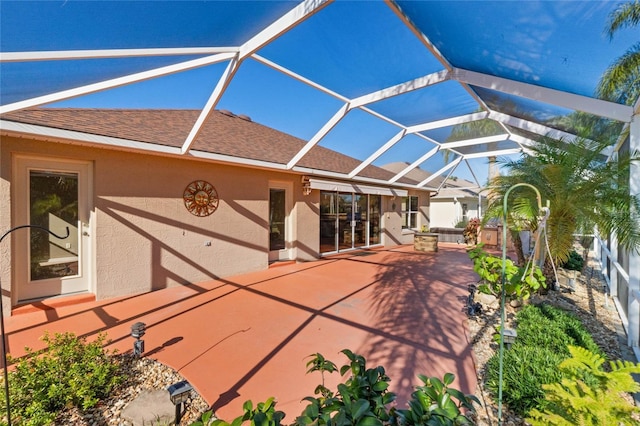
276	263
55	302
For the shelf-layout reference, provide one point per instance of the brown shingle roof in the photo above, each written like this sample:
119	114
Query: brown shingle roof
223	133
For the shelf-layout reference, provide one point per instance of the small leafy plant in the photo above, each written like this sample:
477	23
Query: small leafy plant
264	414
574	402
520	283
70	372
363	400
438	404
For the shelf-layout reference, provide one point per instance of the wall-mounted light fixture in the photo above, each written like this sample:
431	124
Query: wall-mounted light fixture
306	185
179	394
137	331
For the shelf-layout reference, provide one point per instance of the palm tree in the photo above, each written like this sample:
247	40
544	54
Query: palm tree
582	188
621	81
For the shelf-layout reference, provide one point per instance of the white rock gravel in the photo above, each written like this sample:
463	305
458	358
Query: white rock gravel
142	374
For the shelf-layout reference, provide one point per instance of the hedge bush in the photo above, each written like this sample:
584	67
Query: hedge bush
544	334
71	372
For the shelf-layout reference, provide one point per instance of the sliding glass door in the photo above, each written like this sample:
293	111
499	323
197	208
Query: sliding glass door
348	221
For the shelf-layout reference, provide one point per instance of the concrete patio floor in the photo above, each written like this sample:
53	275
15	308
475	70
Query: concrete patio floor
250	336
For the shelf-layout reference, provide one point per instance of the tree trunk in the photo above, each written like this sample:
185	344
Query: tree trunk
517	245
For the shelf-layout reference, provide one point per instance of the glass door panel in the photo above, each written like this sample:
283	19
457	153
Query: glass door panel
345	218
277	216
375	201
360	220
328	220
54	206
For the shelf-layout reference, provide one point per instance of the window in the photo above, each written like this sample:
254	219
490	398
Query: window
410	212
277	216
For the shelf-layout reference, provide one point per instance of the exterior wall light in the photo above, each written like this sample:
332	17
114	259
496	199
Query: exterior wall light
137	331
179	393
306	185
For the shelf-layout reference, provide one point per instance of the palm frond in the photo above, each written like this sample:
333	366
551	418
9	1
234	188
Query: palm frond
621	81
626	15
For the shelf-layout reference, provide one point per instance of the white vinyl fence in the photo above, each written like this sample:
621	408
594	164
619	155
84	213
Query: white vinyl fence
621	271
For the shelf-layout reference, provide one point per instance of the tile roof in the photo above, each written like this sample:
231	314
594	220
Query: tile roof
446	193
451	188
223	133
416	174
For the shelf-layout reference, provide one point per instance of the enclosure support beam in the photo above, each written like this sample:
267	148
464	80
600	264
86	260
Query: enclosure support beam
634	258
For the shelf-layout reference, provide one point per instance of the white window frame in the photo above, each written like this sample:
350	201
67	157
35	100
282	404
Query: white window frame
408	212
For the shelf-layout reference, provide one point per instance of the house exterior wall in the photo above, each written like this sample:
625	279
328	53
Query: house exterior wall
394	233
446	214
144	238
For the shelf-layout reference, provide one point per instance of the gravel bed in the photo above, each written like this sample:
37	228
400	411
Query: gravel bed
141	374
588	301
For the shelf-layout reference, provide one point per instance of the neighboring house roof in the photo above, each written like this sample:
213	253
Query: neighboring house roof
223	133
416	174
449	193
449	188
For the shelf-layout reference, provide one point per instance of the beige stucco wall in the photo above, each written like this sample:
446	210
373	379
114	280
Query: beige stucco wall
144	238
5	225
392	218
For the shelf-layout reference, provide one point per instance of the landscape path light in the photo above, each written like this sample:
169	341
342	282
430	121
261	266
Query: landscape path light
179	393
137	331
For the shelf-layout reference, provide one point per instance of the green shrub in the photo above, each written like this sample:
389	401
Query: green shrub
544	336
553	328
435	403
574	402
525	370
571	326
71	372
575	262
461	224
519	283
363	400
265	414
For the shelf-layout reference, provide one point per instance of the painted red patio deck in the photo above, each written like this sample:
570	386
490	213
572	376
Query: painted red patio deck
249	336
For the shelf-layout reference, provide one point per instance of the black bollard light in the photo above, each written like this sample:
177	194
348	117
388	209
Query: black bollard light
137	331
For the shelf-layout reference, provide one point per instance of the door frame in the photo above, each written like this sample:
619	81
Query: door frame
289	233
22	164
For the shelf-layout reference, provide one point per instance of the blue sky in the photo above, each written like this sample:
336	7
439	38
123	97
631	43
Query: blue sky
350	47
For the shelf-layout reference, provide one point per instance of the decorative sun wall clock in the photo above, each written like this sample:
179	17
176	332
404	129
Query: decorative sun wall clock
200	198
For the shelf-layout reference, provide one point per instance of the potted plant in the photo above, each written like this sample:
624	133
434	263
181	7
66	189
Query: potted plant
573	265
